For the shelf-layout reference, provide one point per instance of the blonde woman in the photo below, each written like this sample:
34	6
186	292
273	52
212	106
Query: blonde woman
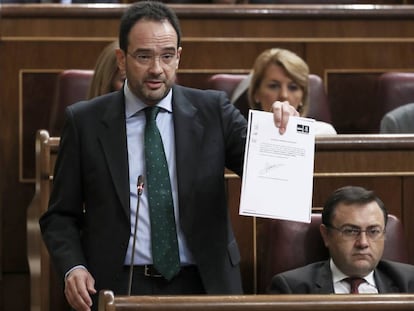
281	75
107	76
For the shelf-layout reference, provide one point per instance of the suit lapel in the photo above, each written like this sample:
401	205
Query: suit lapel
114	144
323	280
188	139
384	283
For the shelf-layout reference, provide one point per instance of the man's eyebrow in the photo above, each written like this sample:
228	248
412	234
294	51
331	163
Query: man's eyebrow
169	49
359	227
350	225
142	50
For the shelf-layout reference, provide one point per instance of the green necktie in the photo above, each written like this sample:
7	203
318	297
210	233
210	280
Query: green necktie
165	254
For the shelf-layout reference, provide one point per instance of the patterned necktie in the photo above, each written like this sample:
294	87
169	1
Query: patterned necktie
165	254
354	282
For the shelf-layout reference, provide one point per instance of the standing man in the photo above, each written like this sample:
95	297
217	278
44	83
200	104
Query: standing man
353	229
89	226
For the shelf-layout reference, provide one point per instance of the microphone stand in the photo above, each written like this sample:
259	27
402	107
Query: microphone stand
140	188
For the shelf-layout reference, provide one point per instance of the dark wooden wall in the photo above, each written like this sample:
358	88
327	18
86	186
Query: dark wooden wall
349	46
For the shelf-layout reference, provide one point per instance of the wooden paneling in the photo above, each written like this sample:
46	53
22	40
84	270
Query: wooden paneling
346	45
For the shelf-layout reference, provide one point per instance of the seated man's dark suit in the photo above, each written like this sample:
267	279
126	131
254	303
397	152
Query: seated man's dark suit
316	278
399	120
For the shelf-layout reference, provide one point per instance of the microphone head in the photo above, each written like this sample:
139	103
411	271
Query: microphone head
140	184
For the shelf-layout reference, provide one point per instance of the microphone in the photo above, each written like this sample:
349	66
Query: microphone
140	188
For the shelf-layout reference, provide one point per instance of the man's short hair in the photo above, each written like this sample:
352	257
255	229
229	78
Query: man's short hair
148	10
350	195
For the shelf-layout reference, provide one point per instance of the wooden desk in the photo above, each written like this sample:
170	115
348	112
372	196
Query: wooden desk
367	302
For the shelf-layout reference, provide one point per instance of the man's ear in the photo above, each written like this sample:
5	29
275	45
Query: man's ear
120	59
325	234
180	49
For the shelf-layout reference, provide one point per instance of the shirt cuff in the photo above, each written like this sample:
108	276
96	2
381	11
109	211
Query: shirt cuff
74	268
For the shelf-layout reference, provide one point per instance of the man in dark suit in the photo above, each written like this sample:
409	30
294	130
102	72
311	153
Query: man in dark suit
89	225
399	120
353	229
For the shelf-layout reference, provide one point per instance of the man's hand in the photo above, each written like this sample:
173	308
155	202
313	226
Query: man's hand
79	285
281	113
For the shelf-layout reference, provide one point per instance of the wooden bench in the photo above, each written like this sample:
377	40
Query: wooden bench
366	302
384	163
46	292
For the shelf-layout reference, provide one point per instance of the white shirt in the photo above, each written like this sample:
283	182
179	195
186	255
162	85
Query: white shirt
343	287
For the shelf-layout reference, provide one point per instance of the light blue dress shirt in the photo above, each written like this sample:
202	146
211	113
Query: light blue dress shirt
135	128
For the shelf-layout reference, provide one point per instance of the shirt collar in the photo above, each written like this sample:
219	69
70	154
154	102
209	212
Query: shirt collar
338	275
133	104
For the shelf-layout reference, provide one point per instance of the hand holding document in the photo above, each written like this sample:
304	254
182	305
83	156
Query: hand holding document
278	169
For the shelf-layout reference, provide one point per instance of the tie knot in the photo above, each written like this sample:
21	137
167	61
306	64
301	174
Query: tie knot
151	113
354	282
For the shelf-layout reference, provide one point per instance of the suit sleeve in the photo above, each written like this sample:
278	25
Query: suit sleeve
279	285
60	225
235	132
388	125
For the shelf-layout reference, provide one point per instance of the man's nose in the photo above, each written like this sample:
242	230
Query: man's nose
362	239
155	64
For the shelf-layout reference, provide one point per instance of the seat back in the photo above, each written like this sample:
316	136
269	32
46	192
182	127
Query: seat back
230	83
226	82
319	108
394	89
72	86
284	245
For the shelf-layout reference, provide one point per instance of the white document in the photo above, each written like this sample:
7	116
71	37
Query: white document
278	169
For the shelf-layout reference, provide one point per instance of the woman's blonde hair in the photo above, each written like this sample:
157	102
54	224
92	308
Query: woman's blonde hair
294	66
106	68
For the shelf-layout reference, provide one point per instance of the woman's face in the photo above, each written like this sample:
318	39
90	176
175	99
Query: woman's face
277	86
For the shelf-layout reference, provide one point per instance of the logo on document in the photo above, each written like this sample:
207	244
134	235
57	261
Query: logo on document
301	128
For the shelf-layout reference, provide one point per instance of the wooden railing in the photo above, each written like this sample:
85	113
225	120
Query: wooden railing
367	302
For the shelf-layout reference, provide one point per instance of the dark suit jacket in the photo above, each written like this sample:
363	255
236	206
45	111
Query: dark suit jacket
398	120
92	171
316	278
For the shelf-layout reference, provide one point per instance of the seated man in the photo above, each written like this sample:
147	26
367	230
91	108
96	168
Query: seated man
353	229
